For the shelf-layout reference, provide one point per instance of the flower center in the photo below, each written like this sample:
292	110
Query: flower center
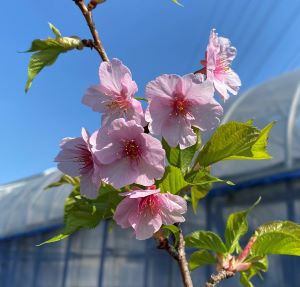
149	203
132	150
119	102
180	106
85	158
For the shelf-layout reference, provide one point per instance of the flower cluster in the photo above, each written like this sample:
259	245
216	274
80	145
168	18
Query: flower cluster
122	154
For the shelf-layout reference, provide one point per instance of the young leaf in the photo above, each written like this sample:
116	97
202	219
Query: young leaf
200	258
81	212
236	140
55	31
236	227
277	237
206	240
173	180
45	52
65	179
255	269
176	2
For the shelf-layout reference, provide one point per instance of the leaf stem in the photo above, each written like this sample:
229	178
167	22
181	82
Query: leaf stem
89	20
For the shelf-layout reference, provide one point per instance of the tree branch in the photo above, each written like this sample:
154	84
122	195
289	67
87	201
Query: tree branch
215	279
182	262
89	20
178	255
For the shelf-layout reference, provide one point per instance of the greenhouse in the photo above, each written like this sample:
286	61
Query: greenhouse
109	257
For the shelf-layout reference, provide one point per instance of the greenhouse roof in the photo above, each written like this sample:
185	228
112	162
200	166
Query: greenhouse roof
276	100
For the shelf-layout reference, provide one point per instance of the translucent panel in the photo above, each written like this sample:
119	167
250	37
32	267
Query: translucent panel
36	208
271	101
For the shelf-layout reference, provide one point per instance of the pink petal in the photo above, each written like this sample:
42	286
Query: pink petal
155	155
178	131
111	73
135	112
172	208
162	86
105	150
88	187
96	99
157	113
124	210
129	87
120	173
141	193
145	225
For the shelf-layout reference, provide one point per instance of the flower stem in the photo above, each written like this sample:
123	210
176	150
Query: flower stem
89	20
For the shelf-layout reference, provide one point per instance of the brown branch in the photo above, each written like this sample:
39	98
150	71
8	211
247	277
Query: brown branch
163	243
182	262
178	255
89	20
215	279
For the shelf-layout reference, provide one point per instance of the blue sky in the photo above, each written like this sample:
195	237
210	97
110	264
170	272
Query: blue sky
151	37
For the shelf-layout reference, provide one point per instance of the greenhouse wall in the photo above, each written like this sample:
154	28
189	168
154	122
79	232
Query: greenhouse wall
108	256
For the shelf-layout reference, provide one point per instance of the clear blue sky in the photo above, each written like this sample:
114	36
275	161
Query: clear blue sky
150	36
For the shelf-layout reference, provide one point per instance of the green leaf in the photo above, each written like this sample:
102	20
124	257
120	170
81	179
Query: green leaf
187	154
141	99
236	227
45	52
198	192
172	154
174	230
277	237
203	177
255	269
54	30
81	212
201	182
206	240
173	180
65	179
182	158
201	258
236	140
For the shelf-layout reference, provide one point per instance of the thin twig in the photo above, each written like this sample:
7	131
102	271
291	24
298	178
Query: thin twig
89	20
182	262
215	279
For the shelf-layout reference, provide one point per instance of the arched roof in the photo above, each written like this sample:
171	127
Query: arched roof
26	206
275	100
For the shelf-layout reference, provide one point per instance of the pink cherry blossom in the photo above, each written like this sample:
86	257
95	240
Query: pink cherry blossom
219	56
146	210
178	103
128	154
77	159
114	96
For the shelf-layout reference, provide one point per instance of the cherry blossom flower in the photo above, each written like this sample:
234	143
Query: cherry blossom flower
114	96
76	159
146	210
178	103
219	56
128	154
